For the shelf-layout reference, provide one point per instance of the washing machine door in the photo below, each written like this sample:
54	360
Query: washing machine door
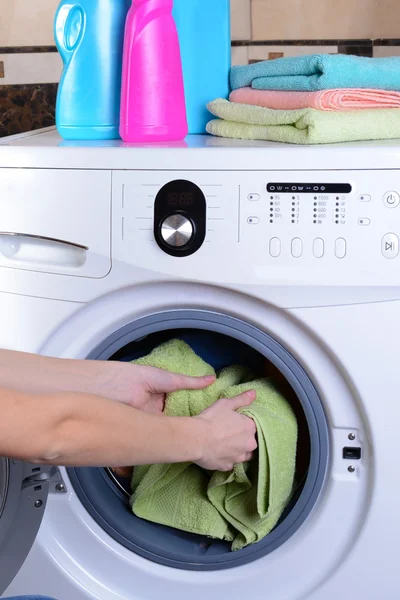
23	495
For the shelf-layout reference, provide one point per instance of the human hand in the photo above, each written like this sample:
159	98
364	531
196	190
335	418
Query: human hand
230	437
145	388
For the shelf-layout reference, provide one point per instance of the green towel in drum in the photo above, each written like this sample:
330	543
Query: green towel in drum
242	506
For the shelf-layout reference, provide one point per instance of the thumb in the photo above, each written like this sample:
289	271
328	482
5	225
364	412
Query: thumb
244	399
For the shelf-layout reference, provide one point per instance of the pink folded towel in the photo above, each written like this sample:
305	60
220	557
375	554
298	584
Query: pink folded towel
328	100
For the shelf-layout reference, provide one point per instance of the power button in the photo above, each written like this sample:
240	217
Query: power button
391	199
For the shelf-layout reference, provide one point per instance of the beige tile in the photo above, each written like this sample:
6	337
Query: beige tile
384	51
44	67
241	19
386	19
314	19
257	53
240	55
27	22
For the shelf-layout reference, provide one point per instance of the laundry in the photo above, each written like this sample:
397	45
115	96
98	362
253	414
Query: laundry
319	72
242	506
326	100
302	126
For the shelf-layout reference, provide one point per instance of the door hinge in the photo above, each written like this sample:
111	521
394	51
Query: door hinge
37	475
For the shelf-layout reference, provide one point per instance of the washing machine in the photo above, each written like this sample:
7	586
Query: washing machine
285	255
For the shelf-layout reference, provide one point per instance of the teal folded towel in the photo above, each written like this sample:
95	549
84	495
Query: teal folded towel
302	126
319	72
242	506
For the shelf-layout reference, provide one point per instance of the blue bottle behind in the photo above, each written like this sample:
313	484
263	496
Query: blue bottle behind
204	29
89	37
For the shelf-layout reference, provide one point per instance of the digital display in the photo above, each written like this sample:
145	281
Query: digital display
309	188
180	199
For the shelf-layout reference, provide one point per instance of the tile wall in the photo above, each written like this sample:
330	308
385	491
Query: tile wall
30	66
268	29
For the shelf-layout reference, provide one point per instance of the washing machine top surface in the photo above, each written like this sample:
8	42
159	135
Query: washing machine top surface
37	149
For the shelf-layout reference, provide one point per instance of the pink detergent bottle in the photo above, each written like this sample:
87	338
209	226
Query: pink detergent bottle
153	98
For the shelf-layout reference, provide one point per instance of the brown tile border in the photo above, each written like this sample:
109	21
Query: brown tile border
27	49
344	43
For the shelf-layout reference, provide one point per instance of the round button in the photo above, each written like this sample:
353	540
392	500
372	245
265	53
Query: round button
275	247
391	199
297	247
340	248
390	245
318	248
177	231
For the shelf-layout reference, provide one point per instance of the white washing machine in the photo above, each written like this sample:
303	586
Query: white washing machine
288	253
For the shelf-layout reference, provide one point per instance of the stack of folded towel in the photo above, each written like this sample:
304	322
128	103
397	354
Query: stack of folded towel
242	506
315	99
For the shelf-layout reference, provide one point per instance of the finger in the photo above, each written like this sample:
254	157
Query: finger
165	382
241	459
247	457
244	399
227	467
252	445
183	382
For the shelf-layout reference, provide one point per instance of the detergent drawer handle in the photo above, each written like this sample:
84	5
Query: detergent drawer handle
21	248
44	238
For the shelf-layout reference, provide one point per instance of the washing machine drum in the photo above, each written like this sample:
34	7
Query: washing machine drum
220	340
23	495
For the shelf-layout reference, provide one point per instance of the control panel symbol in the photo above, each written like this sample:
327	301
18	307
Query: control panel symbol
390	245
253	197
364	221
253	220
365	198
391	199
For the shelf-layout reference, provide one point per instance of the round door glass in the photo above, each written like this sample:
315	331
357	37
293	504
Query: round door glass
105	493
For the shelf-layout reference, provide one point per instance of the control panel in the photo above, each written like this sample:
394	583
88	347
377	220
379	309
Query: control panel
324	219
317	227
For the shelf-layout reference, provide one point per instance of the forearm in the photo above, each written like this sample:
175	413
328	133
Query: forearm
83	430
35	374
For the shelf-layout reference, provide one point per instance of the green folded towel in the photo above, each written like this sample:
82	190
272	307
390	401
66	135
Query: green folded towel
302	126
242	506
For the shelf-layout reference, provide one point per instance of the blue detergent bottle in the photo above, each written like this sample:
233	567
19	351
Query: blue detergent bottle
89	35
204	29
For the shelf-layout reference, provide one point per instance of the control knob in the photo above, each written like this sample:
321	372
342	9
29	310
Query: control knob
177	231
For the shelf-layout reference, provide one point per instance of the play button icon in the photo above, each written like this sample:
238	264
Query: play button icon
390	245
